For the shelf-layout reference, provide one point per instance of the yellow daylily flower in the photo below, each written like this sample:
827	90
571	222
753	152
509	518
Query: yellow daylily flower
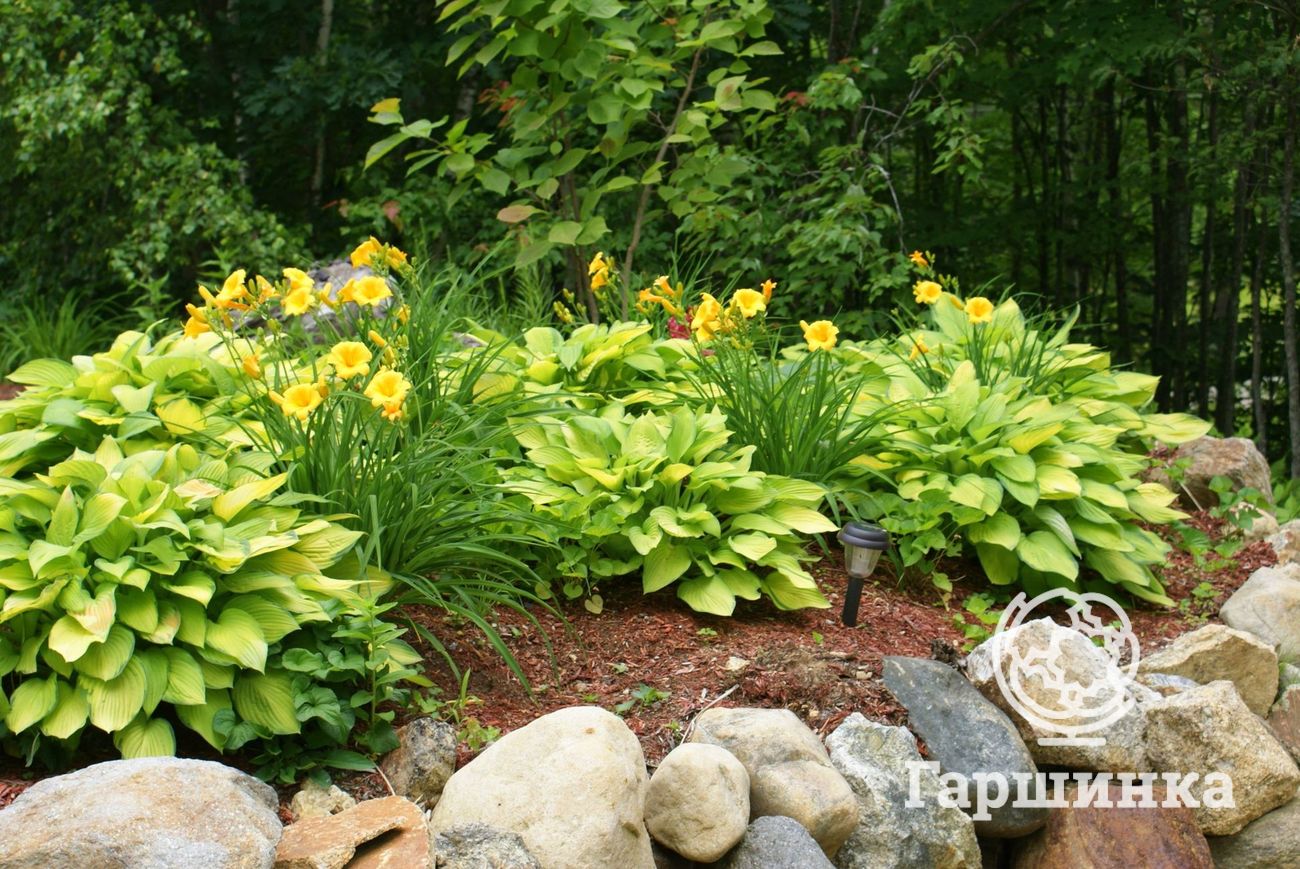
350	359
749	302
298	400
598	263
705	323
979	309
252	367
918	348
820	334
387	387
299	280
768	286
927	292
956	302
298	301
370	290
393	410
364	254
233	289
196	326
918	259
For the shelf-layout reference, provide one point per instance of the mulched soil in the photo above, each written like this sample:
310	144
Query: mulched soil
660	664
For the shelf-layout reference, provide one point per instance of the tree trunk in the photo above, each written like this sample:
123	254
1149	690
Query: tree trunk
1207	273
1288	277
1115	232
1257	341
322	62
1227	304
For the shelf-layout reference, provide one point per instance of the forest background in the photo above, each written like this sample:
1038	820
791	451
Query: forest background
1133	158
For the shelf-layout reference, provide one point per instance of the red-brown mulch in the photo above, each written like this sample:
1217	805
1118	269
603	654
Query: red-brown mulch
805	660
9	390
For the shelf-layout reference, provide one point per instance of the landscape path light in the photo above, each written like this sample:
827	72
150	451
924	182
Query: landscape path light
863	543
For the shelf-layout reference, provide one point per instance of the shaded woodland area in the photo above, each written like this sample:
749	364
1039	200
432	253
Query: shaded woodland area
1132	157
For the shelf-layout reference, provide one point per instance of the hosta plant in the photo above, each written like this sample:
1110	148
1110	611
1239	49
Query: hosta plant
1035	466
667	495
140	586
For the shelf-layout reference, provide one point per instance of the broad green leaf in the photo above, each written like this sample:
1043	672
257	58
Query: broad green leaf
752	546
267	701
272	619
1000	565
1018	468
70	639
787	595
114	703
154	664
1000	529
69	714
707	594
237	634
106	660
1116	566
1044	551
199	717
1055	483
977	492
663	565
227	506
802	519
137	610
146	737
1058	524
44	372
31	701
185	684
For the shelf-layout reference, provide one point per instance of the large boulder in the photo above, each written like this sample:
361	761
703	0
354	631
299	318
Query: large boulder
698	801
966	734
776	842
790	773
1210	457
572	784
424	760
1269	842
1268	606
1071	657
1097	837
874	758
147	813
389	832
1211	730
1217	652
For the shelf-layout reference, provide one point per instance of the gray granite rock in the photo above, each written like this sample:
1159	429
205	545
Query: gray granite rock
965	733
478	846
776	842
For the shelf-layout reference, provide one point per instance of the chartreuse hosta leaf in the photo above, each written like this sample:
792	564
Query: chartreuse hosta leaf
665	492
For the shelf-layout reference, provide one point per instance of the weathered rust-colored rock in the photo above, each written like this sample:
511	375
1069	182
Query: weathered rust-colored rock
332	841
1284	719
1116	838
405	847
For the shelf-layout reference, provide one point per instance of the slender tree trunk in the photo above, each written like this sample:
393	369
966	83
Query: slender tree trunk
1116	231
1161	360
1288	276
1226	309
1257	341
1207	273
322	62
236	96
1180	213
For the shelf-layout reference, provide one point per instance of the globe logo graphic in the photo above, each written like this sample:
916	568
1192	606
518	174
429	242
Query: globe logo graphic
1067	706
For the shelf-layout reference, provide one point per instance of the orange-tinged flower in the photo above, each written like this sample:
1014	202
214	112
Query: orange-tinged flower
918	259
957	303
298	400
370	290
661	284
377	338
251	366
820	334
233	289
265	289
768	286
979	309
298	301
918	349
646	298
350	359
598	264
393	410
927	292
387	387
749	302
600	279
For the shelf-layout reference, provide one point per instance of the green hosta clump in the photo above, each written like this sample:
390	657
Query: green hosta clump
621	360
1027	448
161	577
666	494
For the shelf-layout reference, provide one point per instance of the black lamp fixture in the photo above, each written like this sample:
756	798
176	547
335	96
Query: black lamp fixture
863	542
